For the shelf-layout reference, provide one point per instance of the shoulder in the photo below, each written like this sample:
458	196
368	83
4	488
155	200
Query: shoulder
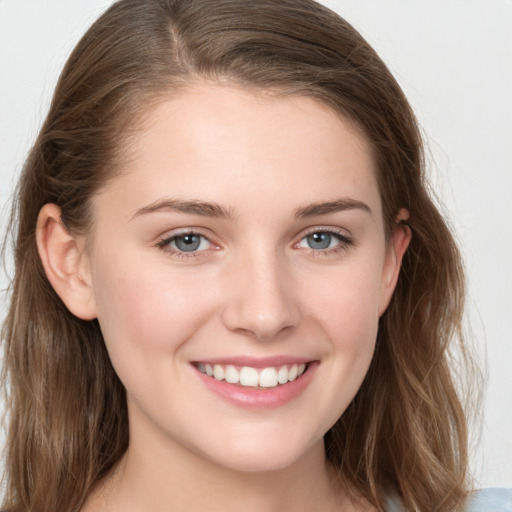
484	500
490	500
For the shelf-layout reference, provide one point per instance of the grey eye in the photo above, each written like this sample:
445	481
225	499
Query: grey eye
319	241
190	242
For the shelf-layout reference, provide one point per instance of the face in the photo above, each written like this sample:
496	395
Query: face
238	269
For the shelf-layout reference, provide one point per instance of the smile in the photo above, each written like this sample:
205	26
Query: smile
254	383
247	376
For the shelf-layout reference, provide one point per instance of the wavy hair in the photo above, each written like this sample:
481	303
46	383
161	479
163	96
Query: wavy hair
405	432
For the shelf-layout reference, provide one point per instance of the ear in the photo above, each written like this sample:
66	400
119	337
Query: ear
65	262
397	245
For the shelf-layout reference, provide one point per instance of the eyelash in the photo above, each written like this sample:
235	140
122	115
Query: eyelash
165	245
344	242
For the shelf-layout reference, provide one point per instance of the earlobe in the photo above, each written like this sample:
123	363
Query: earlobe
398	243
65	263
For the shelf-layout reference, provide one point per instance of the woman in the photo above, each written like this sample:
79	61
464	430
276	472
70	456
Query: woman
230	276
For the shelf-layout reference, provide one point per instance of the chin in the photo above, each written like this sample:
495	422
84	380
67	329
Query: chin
263	456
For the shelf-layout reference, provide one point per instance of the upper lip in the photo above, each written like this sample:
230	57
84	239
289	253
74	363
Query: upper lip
256	362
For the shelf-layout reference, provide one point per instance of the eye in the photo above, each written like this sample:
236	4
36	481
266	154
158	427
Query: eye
318	241
186	243
325	241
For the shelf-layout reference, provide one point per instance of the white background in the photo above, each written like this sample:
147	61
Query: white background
454	60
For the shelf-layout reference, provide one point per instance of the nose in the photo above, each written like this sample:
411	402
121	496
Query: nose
262	302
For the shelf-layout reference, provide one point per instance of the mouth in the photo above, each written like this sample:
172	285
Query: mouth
257	384
252	377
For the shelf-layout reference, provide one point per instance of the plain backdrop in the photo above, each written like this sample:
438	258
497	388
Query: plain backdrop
453	58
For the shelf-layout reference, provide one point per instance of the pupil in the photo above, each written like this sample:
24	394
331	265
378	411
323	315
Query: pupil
319	240
188	243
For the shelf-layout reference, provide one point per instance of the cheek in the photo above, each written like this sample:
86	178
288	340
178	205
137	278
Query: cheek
347	312
147	312
347	301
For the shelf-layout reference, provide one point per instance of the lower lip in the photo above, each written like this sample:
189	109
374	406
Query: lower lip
258	398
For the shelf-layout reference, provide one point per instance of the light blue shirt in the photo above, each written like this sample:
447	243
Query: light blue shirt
484	500
491	500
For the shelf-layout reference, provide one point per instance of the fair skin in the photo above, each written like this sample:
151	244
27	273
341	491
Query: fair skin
245	231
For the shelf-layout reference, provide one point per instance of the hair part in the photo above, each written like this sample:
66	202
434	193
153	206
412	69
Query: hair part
405	431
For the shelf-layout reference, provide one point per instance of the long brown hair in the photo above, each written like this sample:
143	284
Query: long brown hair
405	431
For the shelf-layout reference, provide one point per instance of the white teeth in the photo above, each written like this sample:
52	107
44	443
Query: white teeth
293	372
251	377
268	378
232	375
218	372
282	375
248	376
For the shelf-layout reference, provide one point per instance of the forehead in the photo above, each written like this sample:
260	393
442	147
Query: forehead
228	144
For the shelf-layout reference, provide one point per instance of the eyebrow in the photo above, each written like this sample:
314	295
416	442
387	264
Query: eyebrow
326	208
215	210
192	207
